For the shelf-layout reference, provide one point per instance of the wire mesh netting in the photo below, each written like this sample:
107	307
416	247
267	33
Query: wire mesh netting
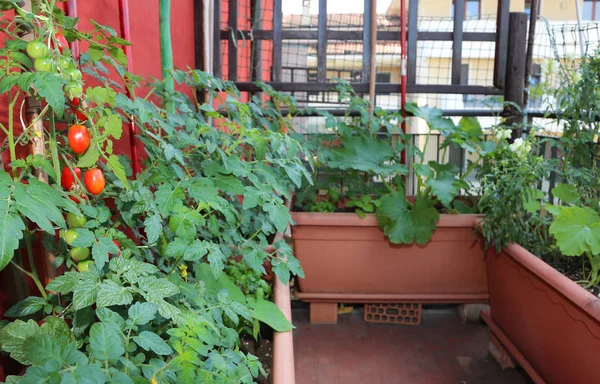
557	46
557	54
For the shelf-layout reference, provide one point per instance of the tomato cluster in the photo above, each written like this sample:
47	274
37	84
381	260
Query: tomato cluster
78	254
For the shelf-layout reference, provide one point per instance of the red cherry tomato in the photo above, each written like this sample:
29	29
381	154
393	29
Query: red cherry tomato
62	42
116	242
94	181
79	138
75	102
81	116
67	180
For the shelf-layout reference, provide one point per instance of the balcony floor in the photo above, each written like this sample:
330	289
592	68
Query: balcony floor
440	350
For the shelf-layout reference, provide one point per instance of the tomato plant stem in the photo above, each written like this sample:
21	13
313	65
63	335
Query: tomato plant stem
54	146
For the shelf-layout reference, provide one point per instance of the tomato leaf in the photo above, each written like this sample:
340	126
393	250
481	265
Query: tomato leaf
111	293
29	306
11	229
90	157
142	313
117	168
150	341
105	342
49	85
153	228
270	314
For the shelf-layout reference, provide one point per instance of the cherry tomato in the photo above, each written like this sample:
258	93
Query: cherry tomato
70	236
67	180
75	199
116	242
84	266
72	74
63	63
36	49
43	64
79	138
75	102
62	42
75	221
94	181
81	116
79	254
73	89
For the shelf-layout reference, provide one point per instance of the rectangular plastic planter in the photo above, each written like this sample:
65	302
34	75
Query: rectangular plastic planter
348	259
547	322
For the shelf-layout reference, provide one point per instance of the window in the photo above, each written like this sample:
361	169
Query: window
528	7
591	10
383	77
472	9
464	79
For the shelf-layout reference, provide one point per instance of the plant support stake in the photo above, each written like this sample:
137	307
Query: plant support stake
166	50
125	30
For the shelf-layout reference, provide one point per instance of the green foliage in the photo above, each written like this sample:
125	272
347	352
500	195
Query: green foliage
359	162
162	308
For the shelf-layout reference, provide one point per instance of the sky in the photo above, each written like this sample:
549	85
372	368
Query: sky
333	6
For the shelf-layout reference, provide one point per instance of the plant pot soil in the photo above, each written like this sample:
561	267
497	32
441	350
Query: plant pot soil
348	259
547	322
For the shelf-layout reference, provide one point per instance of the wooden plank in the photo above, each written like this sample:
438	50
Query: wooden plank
277	39
366	36
515	73
533	16
413	33
256	61
199	44
322	43
233	51
217	66
457	40
379	87
501	39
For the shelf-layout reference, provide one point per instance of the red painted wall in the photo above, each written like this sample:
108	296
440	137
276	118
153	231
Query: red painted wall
144	36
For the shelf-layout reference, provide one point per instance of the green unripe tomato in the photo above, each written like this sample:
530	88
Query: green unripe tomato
64	64
72	74
43	64
73	90
75	221
36	49
260	293
84	266
79	254
62	233
71	236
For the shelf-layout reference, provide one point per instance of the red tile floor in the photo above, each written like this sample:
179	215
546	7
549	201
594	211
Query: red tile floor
440	350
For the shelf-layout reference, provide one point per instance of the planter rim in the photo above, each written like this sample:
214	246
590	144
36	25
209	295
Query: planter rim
572	291
342	219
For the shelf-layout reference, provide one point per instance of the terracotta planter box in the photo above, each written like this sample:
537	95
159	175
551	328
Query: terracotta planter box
348	259
548	323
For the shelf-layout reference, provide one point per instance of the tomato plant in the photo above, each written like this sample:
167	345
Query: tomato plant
61	41
75	221
163	295
36	49
44	64
79	138
94	181
79	254
67	178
